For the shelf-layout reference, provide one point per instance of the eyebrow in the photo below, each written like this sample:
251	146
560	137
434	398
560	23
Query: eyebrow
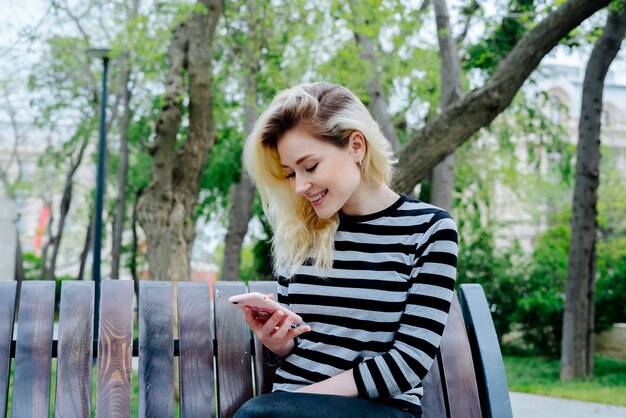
299	160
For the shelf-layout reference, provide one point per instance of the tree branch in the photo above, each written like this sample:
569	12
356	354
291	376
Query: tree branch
444	133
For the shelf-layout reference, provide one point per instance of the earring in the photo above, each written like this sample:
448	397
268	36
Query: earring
358	162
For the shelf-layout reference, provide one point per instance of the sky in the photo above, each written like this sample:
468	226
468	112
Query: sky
20	20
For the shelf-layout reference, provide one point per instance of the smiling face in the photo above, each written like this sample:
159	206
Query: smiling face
326	175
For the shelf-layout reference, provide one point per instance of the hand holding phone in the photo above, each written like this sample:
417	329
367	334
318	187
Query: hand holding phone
262	306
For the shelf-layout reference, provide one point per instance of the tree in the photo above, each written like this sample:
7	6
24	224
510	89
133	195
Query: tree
120	204
11	184
442	174
257	41
577	348
445	132
48	270
377	99
242	193
166	210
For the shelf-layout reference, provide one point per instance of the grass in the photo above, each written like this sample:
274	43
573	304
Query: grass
531	374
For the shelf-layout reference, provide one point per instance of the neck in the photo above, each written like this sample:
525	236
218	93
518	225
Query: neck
370	199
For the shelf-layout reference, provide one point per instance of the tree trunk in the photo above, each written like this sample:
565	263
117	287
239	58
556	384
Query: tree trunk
375	92
66	201
167	208
242	193
442	175
445	132
120	206
135	245
86	247
578	332
241	198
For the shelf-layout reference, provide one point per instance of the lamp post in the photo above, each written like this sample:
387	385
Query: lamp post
101	53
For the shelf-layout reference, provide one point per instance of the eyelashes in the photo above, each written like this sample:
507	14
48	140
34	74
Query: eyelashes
308	170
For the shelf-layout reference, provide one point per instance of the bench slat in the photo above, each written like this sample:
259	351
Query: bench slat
264	373
75	350
233	350
458	368
493	388
433	401
7	309
113	389
156	350
195	334
467	379
33	353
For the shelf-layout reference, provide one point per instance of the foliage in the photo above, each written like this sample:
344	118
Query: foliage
262	250
539	310
611	285
32	266
249	46
505	34
489	175
480	259
408	64
32	271
307	41
610	293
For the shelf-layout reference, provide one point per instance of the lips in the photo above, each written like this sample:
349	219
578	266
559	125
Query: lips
317	199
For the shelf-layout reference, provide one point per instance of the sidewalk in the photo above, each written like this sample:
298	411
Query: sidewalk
525	405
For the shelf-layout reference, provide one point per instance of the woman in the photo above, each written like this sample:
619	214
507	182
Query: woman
370	272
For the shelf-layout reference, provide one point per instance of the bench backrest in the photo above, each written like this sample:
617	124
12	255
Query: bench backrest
217	366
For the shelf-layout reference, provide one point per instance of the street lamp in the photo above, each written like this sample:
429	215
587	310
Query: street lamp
99	53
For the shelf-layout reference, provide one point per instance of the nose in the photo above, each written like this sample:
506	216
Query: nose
301	186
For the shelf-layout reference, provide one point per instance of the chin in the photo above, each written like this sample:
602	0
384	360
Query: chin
324	214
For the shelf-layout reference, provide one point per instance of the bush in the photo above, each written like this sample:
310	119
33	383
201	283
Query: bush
479	262
539	307
539	310
610	296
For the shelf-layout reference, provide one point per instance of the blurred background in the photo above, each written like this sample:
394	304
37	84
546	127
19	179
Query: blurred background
490	118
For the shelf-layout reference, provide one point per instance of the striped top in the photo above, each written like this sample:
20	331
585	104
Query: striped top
381	309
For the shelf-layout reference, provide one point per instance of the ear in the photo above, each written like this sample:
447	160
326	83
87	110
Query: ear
357	145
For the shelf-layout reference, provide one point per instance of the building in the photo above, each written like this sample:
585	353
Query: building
561	77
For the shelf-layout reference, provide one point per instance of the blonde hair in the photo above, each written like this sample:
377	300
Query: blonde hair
330	113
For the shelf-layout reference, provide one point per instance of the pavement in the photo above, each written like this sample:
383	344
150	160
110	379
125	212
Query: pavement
525	405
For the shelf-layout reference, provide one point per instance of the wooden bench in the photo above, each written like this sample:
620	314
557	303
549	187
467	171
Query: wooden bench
218	369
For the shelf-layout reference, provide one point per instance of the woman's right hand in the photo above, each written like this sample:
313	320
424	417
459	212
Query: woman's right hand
277	333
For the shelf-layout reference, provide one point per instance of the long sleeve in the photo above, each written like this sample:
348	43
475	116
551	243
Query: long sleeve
381	309
423	320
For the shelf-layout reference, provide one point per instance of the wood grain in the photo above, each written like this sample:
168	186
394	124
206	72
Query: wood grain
264	374
195	334
156	350
7	309
460	385
33	353
492	384
233	350
113	388
434	401
75	350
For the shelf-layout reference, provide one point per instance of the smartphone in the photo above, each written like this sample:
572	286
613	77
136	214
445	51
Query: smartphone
262	306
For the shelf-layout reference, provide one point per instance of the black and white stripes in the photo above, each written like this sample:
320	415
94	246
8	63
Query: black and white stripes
381	309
